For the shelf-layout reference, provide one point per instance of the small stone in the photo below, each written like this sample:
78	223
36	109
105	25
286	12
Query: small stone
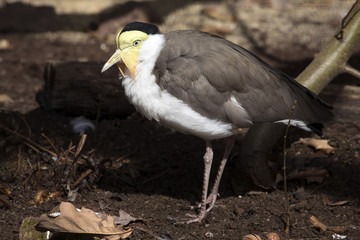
252	237
209	234
272	236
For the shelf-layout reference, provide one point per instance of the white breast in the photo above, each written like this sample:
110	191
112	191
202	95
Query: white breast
163	107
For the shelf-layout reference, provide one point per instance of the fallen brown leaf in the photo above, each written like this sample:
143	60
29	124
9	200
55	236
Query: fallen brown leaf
327	202
84	221
337	229
340	203
27	230
314	221
124	218
272	236
39	197
54	195
320	145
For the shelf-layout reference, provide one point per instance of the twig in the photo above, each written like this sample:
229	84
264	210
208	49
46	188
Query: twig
29	141
79	147
26	123
350	70
77	154
65	159
82	176
28	161
50	142
67	152
32	147
287	208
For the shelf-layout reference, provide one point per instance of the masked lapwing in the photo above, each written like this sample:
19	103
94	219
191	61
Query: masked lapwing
201	84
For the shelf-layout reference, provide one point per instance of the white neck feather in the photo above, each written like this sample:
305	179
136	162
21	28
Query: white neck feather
142	91
157	104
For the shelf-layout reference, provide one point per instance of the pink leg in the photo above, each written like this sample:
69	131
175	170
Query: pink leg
207	162
229	143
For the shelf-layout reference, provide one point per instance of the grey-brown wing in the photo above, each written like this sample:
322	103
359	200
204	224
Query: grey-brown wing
205	71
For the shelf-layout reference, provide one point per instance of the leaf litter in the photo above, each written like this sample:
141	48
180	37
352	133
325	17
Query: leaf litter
66	218
320	145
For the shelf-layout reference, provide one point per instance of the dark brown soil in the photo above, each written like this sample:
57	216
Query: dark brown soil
151	172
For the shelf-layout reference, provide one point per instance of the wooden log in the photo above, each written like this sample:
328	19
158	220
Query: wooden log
79	88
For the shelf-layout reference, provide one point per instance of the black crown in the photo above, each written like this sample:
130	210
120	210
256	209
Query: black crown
143	27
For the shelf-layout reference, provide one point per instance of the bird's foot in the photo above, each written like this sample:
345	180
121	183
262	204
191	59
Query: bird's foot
196	218
210	200
203	210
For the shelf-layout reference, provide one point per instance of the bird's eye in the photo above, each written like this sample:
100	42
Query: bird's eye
136	43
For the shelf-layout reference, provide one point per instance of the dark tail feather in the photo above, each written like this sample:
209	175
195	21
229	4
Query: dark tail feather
316	128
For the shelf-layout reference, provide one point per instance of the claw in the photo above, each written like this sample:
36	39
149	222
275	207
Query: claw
196	218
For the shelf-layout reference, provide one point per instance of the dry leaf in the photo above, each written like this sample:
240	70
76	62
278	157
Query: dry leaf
27	230
320	145
124	218
310	175
72	220
327	202
54	195
337	229
72	193
340	203
314	221
39	197
272	236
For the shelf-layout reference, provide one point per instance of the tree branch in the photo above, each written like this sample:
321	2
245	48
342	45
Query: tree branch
350	70
328	63
322	70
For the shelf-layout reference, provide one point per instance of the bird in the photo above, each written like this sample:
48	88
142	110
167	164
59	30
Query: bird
202	84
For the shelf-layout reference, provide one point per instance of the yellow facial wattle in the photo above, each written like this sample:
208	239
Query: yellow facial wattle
129	57
128	46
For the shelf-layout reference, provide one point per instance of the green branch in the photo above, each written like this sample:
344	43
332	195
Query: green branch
334	56
261	138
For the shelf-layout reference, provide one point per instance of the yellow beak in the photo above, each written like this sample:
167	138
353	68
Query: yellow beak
115	59
122	58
